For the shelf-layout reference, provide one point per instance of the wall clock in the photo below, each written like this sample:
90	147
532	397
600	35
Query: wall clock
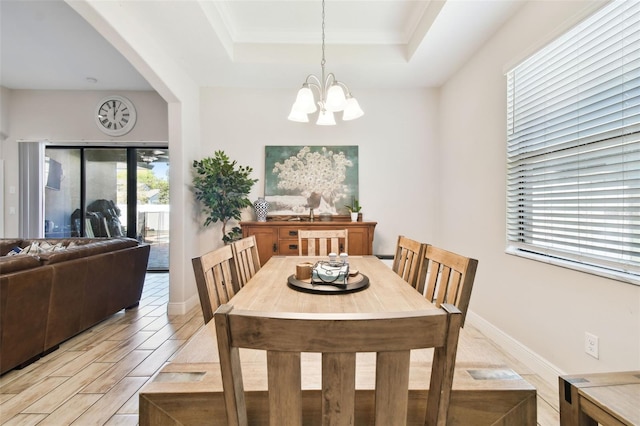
115	115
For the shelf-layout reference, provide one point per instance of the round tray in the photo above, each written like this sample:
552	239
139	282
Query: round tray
354	283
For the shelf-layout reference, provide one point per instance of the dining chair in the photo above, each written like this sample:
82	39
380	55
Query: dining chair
338	337
246	259
317	242
215	278
447	277
406	261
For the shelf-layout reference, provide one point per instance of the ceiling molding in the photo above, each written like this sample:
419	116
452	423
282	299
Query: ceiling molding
240	43
421	30
216	18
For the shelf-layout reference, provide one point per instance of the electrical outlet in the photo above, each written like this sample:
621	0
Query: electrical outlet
591	344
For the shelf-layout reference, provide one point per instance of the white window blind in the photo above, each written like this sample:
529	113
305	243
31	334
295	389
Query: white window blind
573	145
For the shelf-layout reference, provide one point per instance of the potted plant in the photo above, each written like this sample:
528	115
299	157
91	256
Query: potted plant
222	187
354	209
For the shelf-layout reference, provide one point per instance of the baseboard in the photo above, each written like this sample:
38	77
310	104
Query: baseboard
539	365
183	307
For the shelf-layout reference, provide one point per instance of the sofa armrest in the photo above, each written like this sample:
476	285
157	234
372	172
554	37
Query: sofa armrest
7	244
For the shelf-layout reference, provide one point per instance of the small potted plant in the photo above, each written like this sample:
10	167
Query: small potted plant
354	209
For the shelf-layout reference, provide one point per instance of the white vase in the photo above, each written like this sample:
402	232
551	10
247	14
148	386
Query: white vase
354	216
261	207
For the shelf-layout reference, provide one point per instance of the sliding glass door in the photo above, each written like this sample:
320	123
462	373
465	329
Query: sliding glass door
152	201
62	195
109	192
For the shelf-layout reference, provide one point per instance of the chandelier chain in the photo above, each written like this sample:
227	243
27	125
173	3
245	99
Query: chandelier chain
332	95
323	60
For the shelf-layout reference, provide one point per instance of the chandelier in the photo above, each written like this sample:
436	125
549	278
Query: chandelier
333	96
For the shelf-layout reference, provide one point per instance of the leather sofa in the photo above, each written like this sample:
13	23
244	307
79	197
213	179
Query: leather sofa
49	297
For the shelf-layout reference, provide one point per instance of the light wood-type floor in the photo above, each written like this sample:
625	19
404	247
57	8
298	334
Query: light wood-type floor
94	378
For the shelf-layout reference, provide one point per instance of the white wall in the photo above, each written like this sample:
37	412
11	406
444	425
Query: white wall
68	116
396	137
5	100
543	307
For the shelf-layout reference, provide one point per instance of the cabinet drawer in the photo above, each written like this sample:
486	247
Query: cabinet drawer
288	232
288	247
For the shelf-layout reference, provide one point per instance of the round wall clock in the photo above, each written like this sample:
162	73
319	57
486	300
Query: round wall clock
115	115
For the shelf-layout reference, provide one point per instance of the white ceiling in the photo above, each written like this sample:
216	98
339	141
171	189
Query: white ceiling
251	43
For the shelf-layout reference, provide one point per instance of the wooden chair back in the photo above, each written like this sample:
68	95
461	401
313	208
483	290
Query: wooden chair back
322	242
338	337
246	258
215	279
406	261
447	277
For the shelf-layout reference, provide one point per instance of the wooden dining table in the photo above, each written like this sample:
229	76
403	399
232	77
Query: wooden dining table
188	390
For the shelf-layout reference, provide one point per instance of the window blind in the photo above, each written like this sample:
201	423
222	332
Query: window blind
573	145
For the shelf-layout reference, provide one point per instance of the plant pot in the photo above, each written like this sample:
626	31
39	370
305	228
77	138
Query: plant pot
354	217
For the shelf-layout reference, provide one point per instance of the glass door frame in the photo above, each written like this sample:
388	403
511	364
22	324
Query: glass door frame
132	162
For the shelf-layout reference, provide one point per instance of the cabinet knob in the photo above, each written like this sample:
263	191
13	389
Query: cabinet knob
293	233
275	248
293	247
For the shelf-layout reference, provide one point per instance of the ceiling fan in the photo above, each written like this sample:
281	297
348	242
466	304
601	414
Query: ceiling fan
153	156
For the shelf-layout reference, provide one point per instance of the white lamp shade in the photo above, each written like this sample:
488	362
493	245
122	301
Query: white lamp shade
335	99
325	118
299	116
304	101
352	110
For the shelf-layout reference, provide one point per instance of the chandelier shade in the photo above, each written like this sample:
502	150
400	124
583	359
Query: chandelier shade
305	102
336	101
352	110
326	94
326	118
299	116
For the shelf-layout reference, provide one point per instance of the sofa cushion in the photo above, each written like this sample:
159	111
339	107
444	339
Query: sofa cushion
89	249
18	262
36	247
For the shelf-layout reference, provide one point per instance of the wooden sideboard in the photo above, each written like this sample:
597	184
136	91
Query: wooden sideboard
281	237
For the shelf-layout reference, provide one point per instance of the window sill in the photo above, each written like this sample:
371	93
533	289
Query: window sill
589	269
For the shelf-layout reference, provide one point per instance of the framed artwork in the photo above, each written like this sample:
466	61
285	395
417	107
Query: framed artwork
298	178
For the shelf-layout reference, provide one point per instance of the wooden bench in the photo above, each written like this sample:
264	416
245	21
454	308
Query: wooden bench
189	390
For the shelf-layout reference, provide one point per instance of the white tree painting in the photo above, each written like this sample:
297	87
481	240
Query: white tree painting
299	178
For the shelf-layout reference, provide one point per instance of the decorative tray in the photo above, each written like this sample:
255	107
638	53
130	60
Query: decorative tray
354	283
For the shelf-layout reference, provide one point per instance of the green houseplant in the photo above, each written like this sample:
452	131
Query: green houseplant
222	187
354	209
